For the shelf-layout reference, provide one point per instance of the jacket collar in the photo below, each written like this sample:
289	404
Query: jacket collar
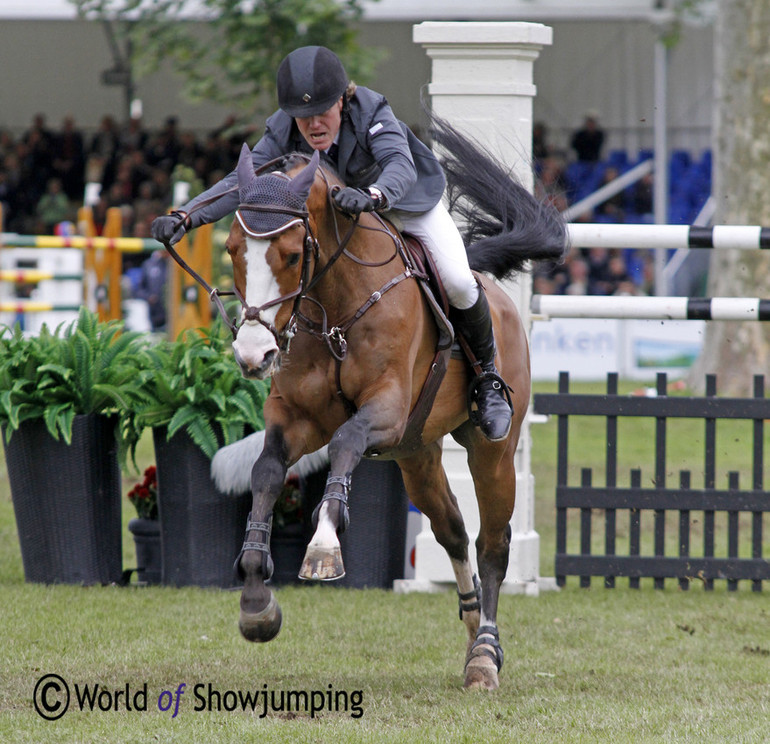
347	141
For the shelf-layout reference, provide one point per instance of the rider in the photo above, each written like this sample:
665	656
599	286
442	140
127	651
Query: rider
387	169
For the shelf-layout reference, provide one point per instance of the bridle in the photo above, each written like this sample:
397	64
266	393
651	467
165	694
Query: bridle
333	337
250	313
310	252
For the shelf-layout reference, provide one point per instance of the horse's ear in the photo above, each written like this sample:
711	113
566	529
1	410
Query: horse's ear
245	167
303	181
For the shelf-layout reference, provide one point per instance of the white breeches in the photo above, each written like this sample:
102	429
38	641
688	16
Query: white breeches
440	235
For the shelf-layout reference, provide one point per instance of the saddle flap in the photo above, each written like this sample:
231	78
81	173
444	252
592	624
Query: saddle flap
432	288
428	280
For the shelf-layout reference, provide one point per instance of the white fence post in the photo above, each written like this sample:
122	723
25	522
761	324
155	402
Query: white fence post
481	82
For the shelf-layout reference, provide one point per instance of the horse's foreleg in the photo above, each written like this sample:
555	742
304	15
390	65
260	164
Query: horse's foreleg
323	557
260	616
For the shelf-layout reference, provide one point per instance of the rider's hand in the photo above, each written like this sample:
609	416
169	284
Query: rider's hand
170	228
354	201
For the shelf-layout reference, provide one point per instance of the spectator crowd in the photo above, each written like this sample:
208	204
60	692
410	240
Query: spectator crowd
44	173
560	178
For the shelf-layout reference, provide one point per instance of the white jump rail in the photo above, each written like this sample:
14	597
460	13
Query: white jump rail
650	308
721	237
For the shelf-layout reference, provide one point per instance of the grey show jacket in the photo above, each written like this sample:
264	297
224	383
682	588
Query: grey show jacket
374	147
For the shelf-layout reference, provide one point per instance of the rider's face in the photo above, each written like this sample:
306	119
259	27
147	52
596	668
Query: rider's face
319	131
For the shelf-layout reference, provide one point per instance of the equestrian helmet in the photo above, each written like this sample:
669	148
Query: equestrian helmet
310	80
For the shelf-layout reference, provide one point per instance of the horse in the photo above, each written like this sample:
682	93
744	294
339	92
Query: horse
333	312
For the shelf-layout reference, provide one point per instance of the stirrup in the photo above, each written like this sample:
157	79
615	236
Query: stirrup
473	396
345	482
497	656
263	547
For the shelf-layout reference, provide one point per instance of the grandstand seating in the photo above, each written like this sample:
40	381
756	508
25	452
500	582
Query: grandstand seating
689	182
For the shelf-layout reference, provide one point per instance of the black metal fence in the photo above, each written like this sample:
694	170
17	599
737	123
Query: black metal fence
633	501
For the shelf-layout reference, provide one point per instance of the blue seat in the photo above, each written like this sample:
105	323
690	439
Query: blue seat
618	159
580	176
645	154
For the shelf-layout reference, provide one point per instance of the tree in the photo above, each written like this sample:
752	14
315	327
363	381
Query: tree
738	350
229	50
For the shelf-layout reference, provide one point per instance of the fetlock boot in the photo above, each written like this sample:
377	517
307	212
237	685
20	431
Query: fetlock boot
487	390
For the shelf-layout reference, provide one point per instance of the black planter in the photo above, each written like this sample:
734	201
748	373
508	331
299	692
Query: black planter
287	548
67	503
202	529
373	544
146	533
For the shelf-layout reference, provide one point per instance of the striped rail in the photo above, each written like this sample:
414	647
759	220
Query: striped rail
597	235
650	308
124	245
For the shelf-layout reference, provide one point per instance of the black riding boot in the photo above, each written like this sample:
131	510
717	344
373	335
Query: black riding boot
488	390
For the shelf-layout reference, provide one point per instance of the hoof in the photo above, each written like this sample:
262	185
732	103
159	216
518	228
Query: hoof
322	564
260	627
481	674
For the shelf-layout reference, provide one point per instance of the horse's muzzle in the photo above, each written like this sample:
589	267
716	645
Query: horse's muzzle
266	367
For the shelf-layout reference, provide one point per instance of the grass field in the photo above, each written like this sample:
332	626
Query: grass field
581	665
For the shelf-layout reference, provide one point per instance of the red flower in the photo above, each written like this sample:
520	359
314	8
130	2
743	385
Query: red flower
144	495
150	476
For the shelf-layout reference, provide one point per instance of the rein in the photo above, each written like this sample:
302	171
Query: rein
333	337
215	294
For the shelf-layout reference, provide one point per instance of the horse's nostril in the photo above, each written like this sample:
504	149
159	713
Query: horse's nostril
268	359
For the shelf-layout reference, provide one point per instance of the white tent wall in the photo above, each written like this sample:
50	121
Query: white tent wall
609	66
57	68
603	65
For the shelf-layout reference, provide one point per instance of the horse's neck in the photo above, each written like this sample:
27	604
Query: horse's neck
346	283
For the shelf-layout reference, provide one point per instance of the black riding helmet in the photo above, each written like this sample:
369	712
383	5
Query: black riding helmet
310	80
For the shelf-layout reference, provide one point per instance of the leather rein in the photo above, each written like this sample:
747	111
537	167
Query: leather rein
334	337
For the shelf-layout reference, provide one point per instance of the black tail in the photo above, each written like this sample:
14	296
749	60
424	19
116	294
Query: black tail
505	226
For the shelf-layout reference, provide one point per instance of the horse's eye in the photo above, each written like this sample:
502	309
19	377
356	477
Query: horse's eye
292	259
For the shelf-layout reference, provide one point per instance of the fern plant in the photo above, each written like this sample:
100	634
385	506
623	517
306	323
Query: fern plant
85	367
193	383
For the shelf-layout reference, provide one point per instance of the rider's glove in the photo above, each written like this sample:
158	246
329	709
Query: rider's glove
354	201
170	228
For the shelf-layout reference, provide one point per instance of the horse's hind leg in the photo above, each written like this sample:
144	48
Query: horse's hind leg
428	488
494	478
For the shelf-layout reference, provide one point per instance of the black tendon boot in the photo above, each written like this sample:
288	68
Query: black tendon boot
488	390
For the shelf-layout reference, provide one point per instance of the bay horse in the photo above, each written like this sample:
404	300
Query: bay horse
334	314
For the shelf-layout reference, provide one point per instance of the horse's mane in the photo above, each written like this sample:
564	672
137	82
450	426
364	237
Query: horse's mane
504	225
295	159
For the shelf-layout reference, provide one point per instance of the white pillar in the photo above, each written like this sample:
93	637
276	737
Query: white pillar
481	83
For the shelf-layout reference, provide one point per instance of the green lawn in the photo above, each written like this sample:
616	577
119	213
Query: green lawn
581	665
